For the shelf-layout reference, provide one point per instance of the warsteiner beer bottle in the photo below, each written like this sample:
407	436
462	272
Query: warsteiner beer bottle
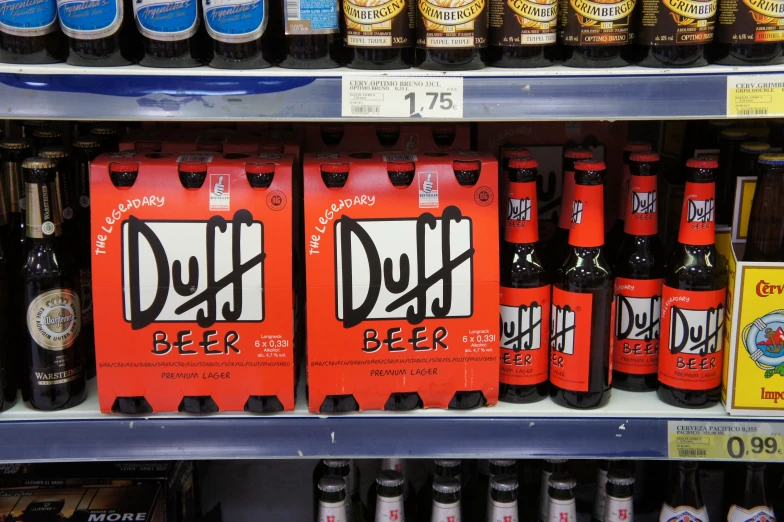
692	316
685	499
551	466
389	502
753	503
765	240
55	354
503	499
332	500
618	504
525	293
639	275
561	504
581	315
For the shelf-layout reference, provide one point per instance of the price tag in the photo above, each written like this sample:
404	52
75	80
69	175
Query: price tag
439	97
725	440
755	95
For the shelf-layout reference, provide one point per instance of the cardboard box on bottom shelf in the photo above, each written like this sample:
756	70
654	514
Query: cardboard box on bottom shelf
193	287
402	280
390	137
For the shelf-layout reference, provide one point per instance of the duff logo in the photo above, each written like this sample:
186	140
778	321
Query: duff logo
644	202
764	289
637	318
696	332
518	209
408	269
623	514
700	211
577	211
193	271
521	327
393	515
562	327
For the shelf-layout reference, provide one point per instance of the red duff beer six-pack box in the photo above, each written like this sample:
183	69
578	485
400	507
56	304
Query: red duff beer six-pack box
192	282
401	255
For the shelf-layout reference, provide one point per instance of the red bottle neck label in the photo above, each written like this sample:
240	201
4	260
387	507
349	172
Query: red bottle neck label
627	174
522	222
698	214
570	340
567	196
641	207
692	337
587	229
525	330
636	331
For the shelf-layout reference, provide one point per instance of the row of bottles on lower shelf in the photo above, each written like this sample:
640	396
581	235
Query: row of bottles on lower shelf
503	491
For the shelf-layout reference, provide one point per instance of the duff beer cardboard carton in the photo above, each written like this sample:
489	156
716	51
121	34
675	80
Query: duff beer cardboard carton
402	282
193	288
379	137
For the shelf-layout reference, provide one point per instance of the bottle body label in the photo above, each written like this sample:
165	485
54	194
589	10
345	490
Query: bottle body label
516	23
570	339
309	17
333	511
166	20
561	510
28	18
750	21
692	330
522	221
389	24
682	514
641	206
445	512
460	26
600	497
677	22
618	509
502	511
90	19
54	322
235	21
637	325
757	514
589	22
390	509
525	327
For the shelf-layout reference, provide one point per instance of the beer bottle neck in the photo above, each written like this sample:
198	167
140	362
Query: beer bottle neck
44	218
446	507
698	214
522	221
389	508
687	489
503	510
587	221
641	206
12	182
395	464
333	507
754	492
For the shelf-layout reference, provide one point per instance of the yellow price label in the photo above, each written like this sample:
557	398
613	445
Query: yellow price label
755	95
725	440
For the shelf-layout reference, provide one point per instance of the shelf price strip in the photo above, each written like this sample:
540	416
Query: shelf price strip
401	97
725	440
755	95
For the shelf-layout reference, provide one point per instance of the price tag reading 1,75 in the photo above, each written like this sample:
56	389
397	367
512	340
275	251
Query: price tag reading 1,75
438	97
725	440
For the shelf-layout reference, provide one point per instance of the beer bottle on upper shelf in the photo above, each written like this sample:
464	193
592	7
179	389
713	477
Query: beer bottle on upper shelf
238	33
525	293
13	152
748	34
593	37
765	240
752	503
561	504
618	504
730	141
409	493
332	500
581	315
674	36
615	234
30	33
685	499
380	36
99	34
175	40
639	275
9	348
389	503
46	137
107	135
451	36
310	36
550	467
693	296
749	152
559	244
446	500
503	505
523	34
55	354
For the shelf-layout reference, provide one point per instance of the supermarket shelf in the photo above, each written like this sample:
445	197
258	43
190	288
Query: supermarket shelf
556	93
632	425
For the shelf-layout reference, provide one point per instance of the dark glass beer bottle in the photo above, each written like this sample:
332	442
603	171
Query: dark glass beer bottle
581	314
446	500
379	36
765	240
332	500
525	293
749	153
507	154
748	34
523	34
409	500
55	354
310	36
100	34
561	503
342	468
675	34
175	40
13	152
693	296
685	498
619	500
550	467
8	356
28	126
559	244
503	505
46	137
753	503
600	492
238	33
107	135
30	33
639	276
591	39
730	141
451	37
389	502
615	234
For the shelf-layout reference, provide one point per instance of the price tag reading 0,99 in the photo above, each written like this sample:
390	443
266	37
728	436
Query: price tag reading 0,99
438	97
725	440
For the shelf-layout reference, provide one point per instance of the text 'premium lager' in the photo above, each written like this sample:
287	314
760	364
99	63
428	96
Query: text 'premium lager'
379	35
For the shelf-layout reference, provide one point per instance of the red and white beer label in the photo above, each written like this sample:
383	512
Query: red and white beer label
525	329
637	325
698	214
641	206
561	511
445	512
502	511
522	223
570	340
390	509
333	511
756	514
682	514
567	198
618	510
692	333
587	227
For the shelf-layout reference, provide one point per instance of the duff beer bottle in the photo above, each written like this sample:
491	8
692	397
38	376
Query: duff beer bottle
452	36
389	503
238	33
730	141
177	39
13	152
332	500
507	154
100	34
446	500
559	244
525	293
409	493
618	504
753	503
551	467
639	275
695	288
310	36
561	505
675	34
503	505
379	38
615	234
765	240
30	34
685	498
581	315
55	355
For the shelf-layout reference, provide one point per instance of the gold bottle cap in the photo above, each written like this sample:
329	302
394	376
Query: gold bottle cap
103	131
54	152
85	142
47	132
14	144
38	163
